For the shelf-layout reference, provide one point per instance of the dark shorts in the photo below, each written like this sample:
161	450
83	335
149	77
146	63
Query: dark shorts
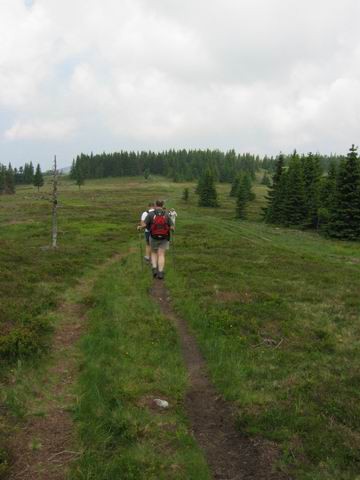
156	244
147	237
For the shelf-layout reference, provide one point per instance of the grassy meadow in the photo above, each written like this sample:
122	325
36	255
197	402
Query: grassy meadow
275	312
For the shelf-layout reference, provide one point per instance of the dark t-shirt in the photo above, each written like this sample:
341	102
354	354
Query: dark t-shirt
149	219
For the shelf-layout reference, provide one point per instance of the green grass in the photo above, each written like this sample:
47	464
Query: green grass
275	311
93	224
131	356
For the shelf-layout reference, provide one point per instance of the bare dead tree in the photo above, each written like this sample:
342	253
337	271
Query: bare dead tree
54	206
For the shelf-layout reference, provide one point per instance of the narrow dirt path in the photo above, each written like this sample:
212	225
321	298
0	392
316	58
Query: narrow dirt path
230	455
43	447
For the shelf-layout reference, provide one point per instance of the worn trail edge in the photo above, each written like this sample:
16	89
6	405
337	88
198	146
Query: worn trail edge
50	457
230	455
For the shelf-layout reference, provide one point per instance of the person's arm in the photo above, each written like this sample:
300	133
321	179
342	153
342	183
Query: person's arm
147	221
142	224
170	223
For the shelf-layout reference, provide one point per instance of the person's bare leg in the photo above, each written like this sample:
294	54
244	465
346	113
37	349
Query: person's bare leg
161	260
154	259
148	251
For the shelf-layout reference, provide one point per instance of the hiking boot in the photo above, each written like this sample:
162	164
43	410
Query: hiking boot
147	259
154	272
160	275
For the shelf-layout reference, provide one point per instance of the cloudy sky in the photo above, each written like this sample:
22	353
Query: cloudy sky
254	75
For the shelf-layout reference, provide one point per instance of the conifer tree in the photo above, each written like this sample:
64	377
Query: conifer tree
345	217
275	210
266	180
327	195
295	203
38	178
185	195
311	173
79	176
242	199
199	185
208	193
2	178
72	174
9	180
246	184
235	185
31	173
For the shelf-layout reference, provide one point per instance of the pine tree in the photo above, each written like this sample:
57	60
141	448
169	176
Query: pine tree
275	209
241	201
38	178
208	193
185	195
345	217
9	180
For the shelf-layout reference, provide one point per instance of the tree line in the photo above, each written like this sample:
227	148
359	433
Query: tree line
10	177
302	196
179	165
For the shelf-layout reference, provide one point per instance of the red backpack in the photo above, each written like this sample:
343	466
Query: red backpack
159	228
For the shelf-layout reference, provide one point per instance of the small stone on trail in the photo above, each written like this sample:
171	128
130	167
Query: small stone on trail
161	403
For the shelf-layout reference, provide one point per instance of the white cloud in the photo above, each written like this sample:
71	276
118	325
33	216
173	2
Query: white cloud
41	130
262	75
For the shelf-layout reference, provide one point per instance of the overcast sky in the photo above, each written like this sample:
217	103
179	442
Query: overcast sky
254	75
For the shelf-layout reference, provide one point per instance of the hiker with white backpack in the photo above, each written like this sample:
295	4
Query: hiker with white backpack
150	208
173	215
159	224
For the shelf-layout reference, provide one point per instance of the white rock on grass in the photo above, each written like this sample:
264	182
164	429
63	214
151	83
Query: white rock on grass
161	403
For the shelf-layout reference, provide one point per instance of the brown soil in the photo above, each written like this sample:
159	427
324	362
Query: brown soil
43	447
243	297
230	454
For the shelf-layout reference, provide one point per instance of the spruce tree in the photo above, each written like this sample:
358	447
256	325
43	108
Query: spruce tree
327	195
199	185
208	193
266	180
2	178
31	173
185	195
79	176
72	174
9	180
311	173
38	178
246	184
241	201
295	202
345	217
235	186
275	209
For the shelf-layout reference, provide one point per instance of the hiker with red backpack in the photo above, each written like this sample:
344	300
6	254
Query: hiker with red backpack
159	224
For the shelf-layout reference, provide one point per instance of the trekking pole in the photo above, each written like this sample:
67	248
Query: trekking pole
141	252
